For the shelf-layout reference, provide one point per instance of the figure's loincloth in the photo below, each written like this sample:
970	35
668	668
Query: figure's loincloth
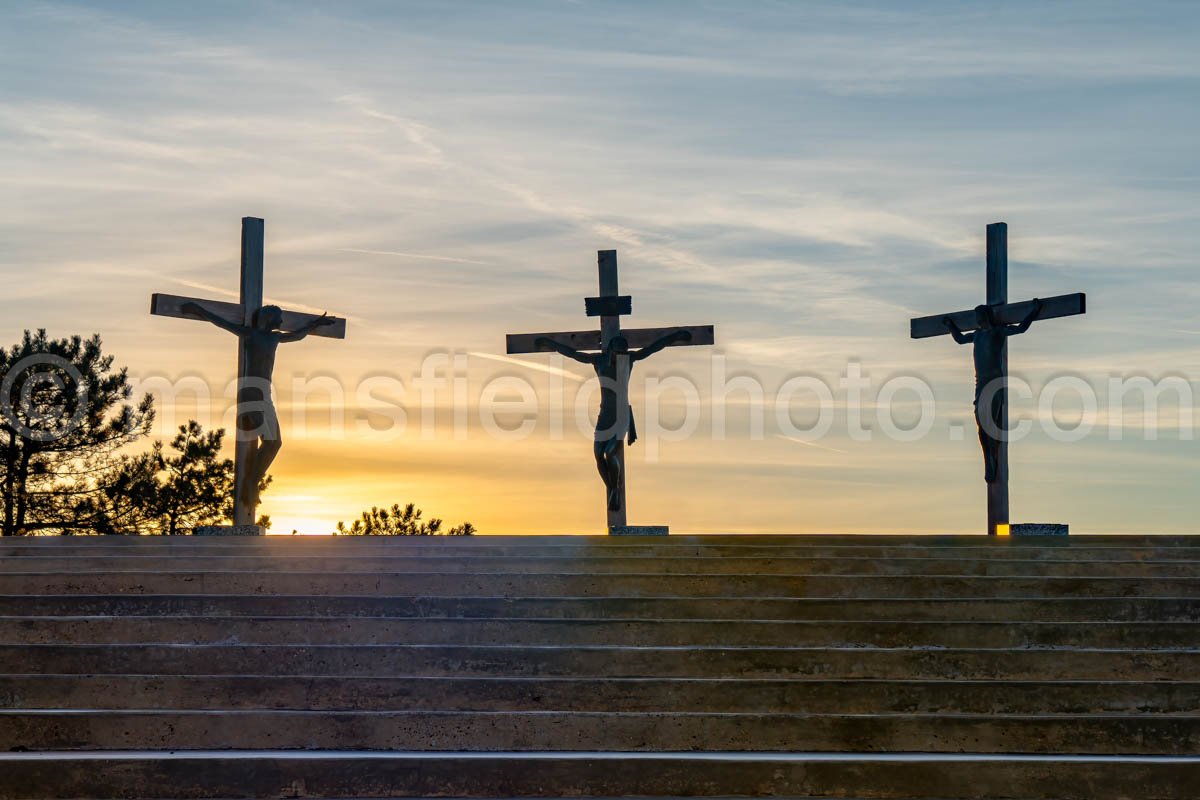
610	428
257	415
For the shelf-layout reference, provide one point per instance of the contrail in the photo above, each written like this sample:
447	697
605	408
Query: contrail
411	255
810	444
529	365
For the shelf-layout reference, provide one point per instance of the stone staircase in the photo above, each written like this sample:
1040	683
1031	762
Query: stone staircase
816	667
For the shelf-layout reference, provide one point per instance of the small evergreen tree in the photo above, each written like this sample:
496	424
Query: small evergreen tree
64	414
399	521
168	494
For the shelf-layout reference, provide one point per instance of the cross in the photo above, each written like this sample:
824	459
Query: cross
610	306
243	313
1003	313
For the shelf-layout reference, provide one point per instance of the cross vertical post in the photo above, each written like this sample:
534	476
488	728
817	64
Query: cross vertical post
251	297
239	318
997	295
610	328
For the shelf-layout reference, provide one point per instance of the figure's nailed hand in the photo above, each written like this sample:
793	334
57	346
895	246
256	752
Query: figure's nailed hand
541	341
325	319
684	336
947	322
191	308
1038	305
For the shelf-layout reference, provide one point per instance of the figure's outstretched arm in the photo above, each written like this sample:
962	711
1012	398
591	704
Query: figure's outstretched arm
956	332
1023	325
569	352
306	329
197	310
680	335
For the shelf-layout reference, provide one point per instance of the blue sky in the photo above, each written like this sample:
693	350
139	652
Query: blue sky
807	176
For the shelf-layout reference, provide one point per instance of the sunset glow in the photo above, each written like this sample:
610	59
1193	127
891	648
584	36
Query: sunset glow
806	177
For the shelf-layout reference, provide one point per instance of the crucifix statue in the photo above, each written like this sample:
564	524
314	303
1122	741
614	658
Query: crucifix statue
259	329
987	328
611	352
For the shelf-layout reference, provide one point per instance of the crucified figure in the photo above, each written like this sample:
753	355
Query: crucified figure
256	409
613	366
989	338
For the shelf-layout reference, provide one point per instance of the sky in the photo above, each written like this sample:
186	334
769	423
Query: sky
804	176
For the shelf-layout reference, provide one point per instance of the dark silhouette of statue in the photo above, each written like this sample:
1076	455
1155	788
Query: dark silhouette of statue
613	366
989	339
256	409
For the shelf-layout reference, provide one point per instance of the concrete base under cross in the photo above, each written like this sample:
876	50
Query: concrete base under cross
638	530
229	530
1039	529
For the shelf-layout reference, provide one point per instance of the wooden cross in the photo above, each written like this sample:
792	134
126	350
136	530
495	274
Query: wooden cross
610	306
1005	313
242	313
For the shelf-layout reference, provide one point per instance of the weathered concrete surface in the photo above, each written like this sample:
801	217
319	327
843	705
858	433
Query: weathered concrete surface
1072	548
1087	547
585	584
619	731
865	663
724	695
210	775
1056	609
599	632
605	565
517	651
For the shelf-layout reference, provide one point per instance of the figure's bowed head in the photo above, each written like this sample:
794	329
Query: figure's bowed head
985	320
268	318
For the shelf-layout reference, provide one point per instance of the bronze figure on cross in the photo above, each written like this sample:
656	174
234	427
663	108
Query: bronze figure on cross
613	366
257	418
990	402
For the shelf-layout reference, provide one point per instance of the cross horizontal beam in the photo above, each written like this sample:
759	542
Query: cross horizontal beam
611	306
1063	305
170	305
590	340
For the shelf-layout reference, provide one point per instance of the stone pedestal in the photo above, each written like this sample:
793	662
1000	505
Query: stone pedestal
1039	529
229	530
638	530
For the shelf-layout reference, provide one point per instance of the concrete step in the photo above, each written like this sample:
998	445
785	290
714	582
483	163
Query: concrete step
728	695
1057	609
721	662
591	585
592	541
1049	549
564	661
672	565
481	731
597	632
340	774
